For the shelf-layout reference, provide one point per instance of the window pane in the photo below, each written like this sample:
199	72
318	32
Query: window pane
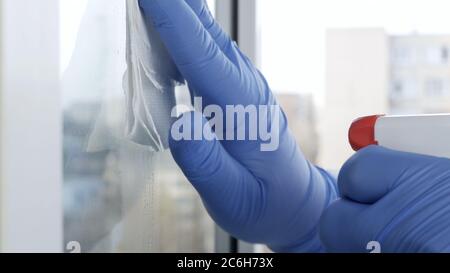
350	58
118	196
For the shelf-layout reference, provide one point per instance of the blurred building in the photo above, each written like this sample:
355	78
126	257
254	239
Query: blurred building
301	114
419	74
370	72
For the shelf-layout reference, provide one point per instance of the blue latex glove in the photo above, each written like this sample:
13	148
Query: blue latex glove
400	200
275	198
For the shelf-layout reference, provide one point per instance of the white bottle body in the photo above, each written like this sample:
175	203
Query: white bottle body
422	134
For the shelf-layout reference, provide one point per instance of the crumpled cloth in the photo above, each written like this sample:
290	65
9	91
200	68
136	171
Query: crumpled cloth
149	83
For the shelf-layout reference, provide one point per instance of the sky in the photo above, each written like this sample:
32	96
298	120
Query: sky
292	32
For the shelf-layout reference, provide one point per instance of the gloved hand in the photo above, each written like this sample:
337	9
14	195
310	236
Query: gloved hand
275	198
399	200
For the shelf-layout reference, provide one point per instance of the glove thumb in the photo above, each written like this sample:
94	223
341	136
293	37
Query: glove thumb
375	171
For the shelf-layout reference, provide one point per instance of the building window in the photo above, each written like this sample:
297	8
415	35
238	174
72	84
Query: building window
398	88
444	54
402	55
403	89
435	87
437	55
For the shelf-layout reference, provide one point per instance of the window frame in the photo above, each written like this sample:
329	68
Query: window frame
239	19
30	128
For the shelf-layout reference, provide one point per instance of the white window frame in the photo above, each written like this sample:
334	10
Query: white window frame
31	217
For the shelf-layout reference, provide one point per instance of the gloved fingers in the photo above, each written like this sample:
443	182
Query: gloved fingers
374	171
223	40
341	230
234	54
220	180
196	54
181	31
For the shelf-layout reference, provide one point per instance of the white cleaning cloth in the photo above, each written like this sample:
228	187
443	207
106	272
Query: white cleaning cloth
149	83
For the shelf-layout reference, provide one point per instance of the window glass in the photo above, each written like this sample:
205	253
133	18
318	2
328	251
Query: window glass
351	58
118	196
